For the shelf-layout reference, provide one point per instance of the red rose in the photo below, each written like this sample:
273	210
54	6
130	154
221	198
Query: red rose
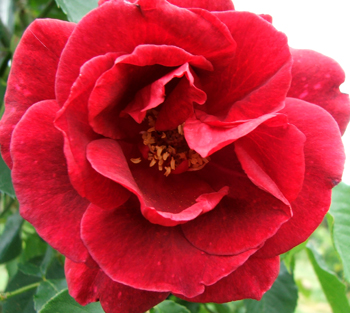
171	148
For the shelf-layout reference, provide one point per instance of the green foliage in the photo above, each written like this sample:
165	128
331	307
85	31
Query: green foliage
75	10
333	288
169	306
10	241
5	179
340	211
282	297
64	303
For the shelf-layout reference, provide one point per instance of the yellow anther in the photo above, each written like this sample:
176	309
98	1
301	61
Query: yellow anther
135	160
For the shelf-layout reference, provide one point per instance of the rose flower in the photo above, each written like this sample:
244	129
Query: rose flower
171	146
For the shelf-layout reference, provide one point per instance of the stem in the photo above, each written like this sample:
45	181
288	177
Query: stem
9	294
50	5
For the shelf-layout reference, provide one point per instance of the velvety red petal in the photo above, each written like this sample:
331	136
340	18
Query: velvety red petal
206	139
257	80
324	162
33	73
72	120
154	94
157	22
136	83
210	5
90	285
316	79
47	198
135	252
273	157
251	280
244	219
158	195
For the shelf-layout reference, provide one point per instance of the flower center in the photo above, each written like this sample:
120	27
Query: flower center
168	149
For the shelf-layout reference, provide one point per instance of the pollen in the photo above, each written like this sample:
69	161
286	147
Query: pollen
168	149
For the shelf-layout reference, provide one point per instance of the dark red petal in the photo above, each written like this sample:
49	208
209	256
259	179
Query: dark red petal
135	84
135	252
324	162
316	79
237	225
72	120
244	219
273	157
89	285
158	195
251	280
154	94
206	139
46	196
257	80
33	73
210	5
157	22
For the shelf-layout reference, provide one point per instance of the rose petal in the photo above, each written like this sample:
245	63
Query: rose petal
157	22
206	139
144	72
89	285
324	161
47	198
72	120
257	80
244	219
273	157
316	79
217	5
158	197
33	73
251	280
135	252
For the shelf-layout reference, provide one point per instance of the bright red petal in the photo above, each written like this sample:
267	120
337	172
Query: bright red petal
316	79
324	162
132	251
33	73
251	280
90	285
40	177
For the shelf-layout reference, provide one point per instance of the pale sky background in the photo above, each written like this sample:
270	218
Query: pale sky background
320	25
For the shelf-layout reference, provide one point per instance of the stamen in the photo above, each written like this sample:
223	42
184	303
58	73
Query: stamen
168	148
135	160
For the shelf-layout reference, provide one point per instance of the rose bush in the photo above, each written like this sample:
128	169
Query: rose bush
171	147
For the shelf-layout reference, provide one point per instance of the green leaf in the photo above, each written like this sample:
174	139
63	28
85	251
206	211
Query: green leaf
282	297
23	302
5	179
333	288
10	241
288	257
340	210
76	9
48	290
169	306
64	303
